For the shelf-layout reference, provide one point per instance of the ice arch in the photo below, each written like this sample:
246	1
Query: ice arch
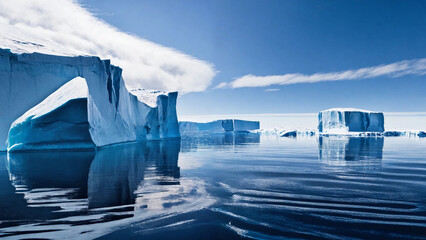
114	115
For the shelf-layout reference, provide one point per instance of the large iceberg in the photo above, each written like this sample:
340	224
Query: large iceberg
94	109
345	120
226	125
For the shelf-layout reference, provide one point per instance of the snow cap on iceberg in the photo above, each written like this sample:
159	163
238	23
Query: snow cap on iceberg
148	96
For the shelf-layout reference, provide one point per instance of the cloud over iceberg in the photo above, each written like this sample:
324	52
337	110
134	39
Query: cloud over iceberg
63	27
397	69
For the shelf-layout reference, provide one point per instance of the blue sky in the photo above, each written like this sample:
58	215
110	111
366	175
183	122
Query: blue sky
266	38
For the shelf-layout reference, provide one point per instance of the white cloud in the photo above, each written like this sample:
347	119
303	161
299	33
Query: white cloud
64	27
222	85
397	69
272	90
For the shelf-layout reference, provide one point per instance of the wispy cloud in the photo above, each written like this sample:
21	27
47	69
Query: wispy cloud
397	69
222	85
272	90
65	27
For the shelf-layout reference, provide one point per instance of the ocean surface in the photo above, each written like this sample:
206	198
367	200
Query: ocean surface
220	186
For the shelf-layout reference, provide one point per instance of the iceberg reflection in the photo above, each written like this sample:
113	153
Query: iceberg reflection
353	152
51	179
193	141
91	193
117	171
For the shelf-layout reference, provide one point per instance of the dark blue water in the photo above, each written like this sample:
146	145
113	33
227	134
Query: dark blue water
221	186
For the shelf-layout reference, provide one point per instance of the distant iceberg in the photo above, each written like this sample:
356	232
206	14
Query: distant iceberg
393	133
346	120
281	132
290	133
244	125
226	125
406	133
58	102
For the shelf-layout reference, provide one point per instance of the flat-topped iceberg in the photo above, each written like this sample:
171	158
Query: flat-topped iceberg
345	120
226	125
93	109
244	125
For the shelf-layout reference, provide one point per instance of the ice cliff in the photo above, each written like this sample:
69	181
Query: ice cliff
344	120
226	125
76	102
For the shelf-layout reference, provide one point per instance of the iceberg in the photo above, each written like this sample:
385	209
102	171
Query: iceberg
346	120
76	102
290	133
393	133
413	133
219	125
244	125
187	126
226	125
421	134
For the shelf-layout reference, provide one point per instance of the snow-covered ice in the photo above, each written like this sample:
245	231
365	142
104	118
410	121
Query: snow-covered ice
226	125
281	132
345	120
113	113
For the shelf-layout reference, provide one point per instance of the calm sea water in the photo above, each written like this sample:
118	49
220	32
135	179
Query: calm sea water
220	186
